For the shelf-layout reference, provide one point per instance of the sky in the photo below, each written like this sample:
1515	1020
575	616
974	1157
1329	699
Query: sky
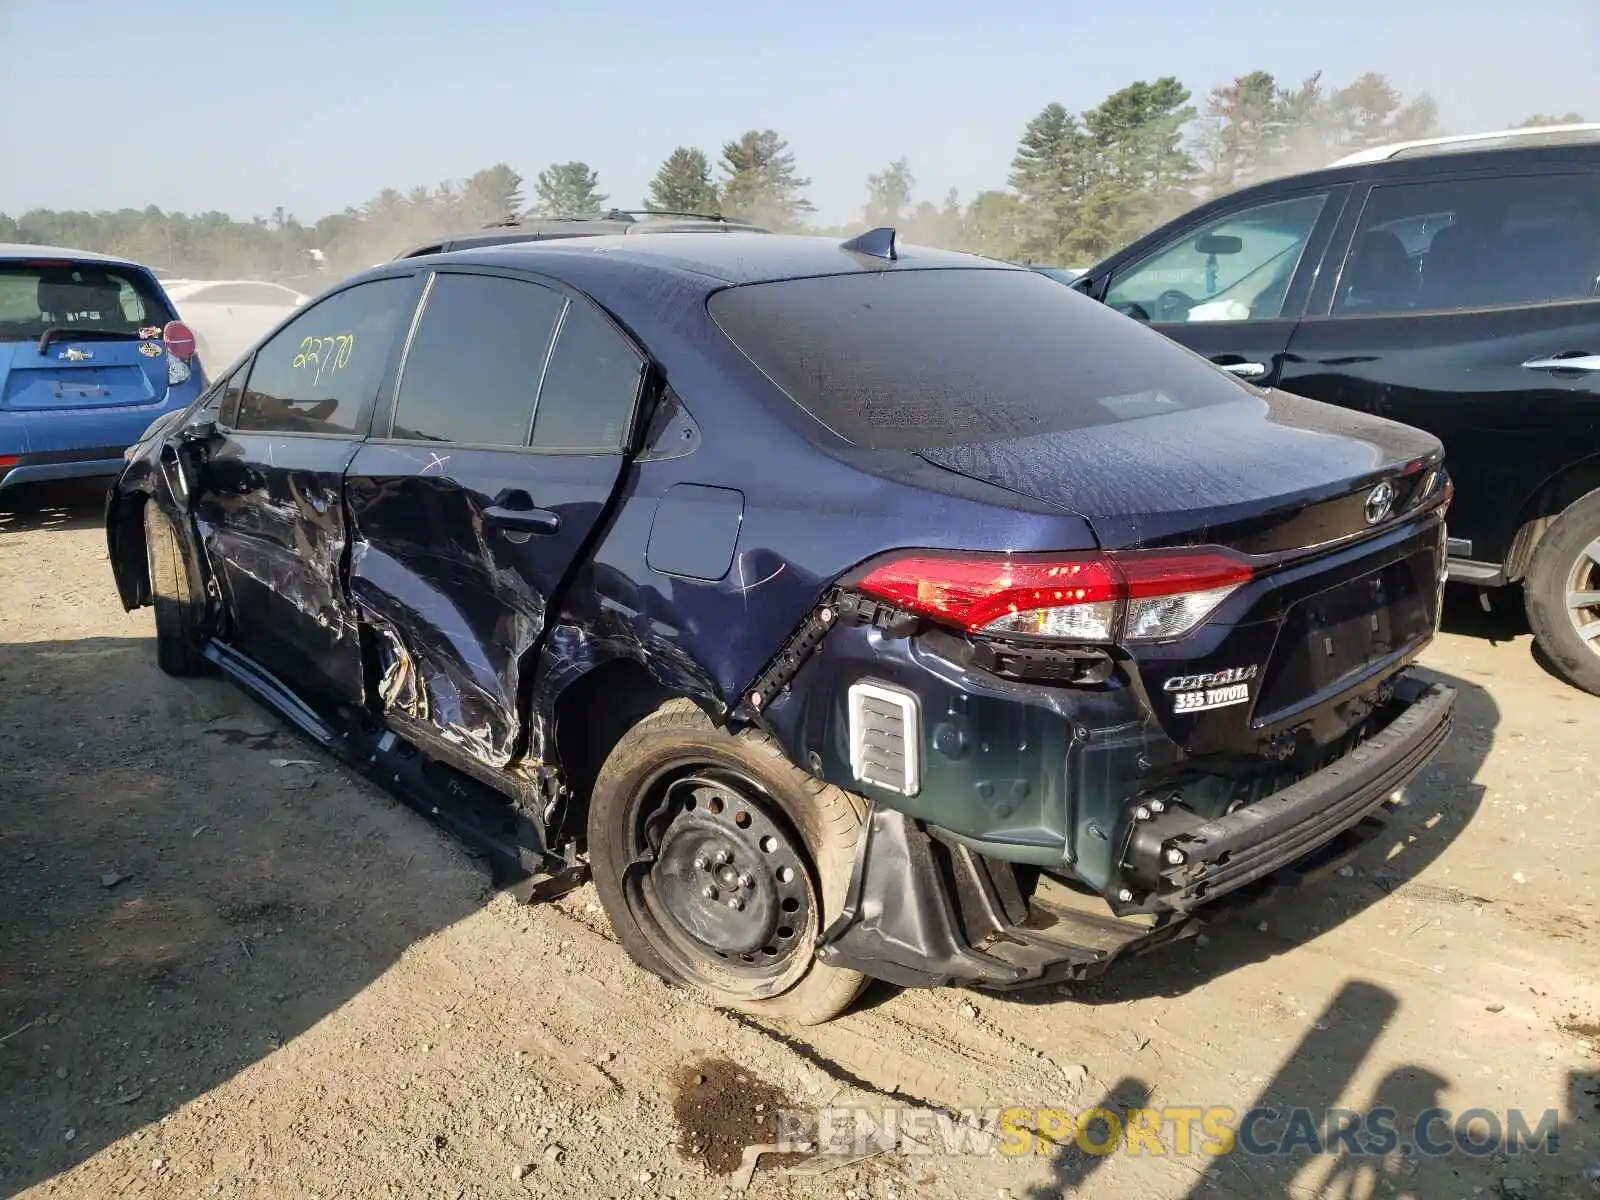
316	107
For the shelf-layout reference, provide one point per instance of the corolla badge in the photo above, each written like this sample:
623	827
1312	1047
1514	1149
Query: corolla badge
1214	689
1380	502
73	354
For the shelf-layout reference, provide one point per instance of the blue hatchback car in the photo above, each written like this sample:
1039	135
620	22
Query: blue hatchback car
848	610
90	355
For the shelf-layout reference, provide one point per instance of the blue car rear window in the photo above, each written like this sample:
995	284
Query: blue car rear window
36	295
920	359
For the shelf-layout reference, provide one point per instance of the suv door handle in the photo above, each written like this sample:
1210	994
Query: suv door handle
1578	362
513	509
1244	370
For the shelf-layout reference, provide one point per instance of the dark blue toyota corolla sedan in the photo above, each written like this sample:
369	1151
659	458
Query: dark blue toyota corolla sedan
848	610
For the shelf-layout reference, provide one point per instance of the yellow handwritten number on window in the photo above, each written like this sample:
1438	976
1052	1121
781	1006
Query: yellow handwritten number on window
326	354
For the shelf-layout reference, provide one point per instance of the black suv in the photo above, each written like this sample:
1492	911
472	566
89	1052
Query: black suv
1452	284
614	221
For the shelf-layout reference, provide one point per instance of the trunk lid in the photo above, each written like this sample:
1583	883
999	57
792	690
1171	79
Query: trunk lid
1265	474
1338	512
90	373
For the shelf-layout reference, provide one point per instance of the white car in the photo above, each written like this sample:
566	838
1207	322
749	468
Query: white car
228	316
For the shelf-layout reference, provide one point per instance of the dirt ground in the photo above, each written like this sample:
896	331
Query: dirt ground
230	968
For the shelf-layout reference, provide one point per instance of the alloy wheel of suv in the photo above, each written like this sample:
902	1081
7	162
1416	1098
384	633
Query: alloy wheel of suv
1563	593
719	863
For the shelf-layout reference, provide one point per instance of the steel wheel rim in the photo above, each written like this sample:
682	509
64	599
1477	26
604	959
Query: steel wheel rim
1583	595
703	837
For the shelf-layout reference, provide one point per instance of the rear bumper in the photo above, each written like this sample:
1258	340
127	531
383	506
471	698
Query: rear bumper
925	909
101	462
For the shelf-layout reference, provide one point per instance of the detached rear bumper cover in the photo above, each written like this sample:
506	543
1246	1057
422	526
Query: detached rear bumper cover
1229	852
926	910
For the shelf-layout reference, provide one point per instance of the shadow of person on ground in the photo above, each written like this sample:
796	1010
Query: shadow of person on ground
184	886
1400	1141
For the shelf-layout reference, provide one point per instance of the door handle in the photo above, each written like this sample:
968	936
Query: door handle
1578	362
513	509
1244	370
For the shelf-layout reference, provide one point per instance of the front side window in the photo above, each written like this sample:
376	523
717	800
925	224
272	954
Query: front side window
473	370
318	373
1235	268
1474	243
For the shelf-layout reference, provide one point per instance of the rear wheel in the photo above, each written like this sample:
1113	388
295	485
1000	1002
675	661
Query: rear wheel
178	637
719	863
1563	593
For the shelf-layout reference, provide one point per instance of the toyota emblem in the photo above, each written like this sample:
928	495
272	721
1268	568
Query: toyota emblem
1380	502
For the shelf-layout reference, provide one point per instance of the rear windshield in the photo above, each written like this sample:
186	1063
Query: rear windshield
34	296
919	359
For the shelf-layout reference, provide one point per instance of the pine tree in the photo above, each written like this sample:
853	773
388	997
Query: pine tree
568	189
760	183
683	184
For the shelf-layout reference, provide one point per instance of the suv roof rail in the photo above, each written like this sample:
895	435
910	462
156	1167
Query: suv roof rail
1531	135
629	215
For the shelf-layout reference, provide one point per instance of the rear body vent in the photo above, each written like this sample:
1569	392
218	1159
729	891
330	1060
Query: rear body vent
885	737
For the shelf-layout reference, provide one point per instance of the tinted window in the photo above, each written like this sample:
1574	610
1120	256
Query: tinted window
911	360
37	295
1235	268
473	369
315	375
589	391
230	393
1474	243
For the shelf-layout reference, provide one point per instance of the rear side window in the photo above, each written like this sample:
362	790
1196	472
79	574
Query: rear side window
473	369
76	295
1474	243
909	360
319	371
590	389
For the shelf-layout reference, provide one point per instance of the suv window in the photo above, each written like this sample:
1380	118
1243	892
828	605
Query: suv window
473	369
920	360
319	371
1236	267
1474	243
590	388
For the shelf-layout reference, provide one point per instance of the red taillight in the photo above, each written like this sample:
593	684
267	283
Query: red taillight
1140	595
179	339
9	460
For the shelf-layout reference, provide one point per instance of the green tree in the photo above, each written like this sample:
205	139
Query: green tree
1242	131
995	225
889	194
489	196
683	184
568	189
760	183
1051	173
1141	172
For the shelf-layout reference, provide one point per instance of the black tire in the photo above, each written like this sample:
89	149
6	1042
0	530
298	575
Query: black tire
1566	567
178	635
667	764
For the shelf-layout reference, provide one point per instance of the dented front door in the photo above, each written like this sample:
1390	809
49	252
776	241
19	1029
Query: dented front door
270	509
477	495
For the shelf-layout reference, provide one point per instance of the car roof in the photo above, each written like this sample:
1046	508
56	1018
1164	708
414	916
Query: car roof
14	250
734	258
1572	134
